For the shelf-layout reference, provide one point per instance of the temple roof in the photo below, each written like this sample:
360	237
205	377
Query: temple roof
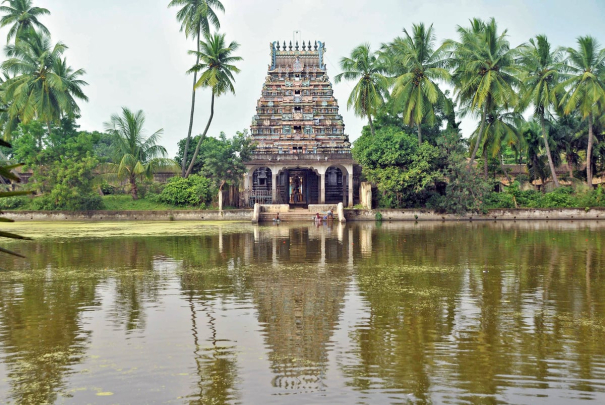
297	112
297	57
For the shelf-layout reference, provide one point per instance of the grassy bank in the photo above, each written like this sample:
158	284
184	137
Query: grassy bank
120	202
126	203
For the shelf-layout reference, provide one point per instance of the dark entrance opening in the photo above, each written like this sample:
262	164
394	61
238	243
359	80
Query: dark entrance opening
262	182
335	186
302	188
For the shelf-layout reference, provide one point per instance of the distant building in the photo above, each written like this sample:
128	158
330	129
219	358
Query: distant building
303	155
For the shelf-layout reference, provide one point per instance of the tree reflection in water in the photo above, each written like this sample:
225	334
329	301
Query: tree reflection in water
422	313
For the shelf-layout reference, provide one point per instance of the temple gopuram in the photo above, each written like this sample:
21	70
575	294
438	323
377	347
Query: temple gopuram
303	155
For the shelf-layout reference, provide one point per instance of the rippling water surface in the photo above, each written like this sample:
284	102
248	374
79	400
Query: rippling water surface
195	313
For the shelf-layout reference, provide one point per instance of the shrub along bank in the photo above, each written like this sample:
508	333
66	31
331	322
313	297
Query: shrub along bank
195	192
564	197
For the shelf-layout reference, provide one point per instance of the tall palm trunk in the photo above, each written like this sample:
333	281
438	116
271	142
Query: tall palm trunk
569	166
589	152
553	173
133	187
481	129
371	125
185	152
199	143
485	171
419	134
510	181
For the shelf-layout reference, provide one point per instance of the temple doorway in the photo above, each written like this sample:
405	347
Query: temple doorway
302	188
335	185
297	188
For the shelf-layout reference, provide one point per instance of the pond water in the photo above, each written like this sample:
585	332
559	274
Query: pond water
209	313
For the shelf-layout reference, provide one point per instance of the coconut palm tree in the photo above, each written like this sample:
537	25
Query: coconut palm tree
485	73
217	67
419	67
536	165
569	135
501	130
23	17
585	88
43	85
366	96
5	119
195	17
139	156
542	73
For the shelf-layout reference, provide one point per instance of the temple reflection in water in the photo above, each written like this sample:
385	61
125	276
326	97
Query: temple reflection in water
350	313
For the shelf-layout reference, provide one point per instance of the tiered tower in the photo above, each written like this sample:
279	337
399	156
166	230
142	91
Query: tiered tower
297	111
303	156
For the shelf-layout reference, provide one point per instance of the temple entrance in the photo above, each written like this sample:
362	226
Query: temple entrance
335	186
301	187
297	186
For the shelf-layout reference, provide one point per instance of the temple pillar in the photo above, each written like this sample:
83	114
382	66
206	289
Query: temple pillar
274	185
322	187
345	183
350	170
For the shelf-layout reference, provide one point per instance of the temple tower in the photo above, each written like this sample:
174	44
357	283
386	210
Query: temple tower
303	155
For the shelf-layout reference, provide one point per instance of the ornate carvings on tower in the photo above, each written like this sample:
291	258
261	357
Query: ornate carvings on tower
297	112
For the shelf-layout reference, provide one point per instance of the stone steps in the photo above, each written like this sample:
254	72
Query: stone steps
292	216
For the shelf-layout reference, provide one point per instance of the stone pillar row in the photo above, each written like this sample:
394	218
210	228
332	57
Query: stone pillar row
322	182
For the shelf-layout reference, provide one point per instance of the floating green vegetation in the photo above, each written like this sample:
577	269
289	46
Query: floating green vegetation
39	230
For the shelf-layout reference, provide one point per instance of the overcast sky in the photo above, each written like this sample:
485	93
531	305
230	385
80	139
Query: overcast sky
135	56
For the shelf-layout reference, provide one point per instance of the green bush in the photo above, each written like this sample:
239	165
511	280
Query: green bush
499	200
563	197
149	187
560	198
593	198
196	190
109	189
529	198
12	203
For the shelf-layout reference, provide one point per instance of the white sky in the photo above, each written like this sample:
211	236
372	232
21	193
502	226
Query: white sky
135	55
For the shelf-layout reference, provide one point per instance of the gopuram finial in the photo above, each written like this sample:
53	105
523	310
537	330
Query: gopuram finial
278	45
290	45
315	45
296	47
309	45
284	45
304	46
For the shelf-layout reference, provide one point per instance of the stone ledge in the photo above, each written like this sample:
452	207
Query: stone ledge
225	215
492	215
